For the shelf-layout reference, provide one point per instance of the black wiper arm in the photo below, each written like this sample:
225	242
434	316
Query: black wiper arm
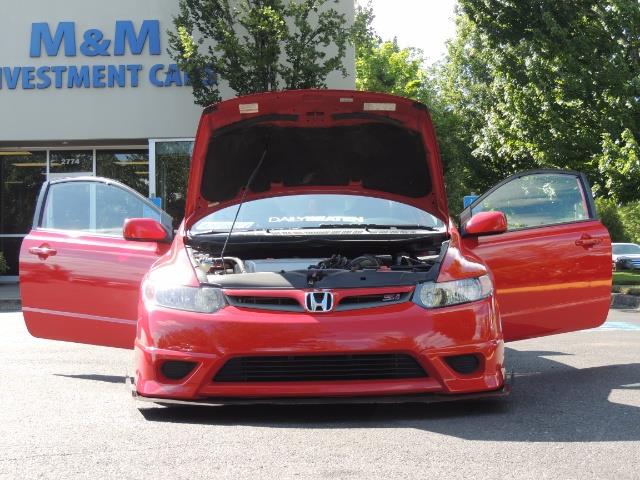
219	232
367	226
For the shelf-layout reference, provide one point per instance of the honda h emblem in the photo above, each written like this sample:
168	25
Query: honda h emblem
319	301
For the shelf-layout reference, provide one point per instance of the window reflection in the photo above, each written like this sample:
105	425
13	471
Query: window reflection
130	167
172	170
70	163
22	173
537	200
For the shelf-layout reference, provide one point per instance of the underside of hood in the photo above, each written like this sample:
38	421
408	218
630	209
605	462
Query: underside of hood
315	142
378	156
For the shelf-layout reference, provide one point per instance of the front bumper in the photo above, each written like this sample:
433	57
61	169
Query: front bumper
427	336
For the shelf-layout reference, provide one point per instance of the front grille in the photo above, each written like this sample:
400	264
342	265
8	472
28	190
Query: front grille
308	368
266	303
355	302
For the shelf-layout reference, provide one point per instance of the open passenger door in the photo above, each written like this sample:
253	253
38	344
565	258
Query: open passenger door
552	266
79	276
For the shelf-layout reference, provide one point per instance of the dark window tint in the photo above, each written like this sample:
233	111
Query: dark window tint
21	176
130	167
172	170
70	162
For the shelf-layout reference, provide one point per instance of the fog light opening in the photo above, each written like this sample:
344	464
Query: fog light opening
176	370
464	364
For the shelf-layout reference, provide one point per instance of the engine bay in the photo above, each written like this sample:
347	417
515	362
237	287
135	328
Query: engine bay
212	265
335	271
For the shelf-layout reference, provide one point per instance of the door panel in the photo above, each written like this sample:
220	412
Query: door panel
552	268
79	278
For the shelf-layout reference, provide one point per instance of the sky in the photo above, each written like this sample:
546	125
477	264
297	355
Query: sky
424	24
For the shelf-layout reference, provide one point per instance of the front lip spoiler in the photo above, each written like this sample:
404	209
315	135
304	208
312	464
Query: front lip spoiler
386	399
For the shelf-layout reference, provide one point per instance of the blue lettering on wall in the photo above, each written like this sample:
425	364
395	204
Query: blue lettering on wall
28	76
135	71
116	75
98	76
153	75
65	39
58	72
78	77
12	75
174	76
41	35
126	34
45	80
94	44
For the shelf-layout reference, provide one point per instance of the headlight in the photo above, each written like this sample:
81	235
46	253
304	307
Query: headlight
436	295
192	299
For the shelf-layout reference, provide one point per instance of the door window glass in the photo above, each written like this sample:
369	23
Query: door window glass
94	207
130	167
538	199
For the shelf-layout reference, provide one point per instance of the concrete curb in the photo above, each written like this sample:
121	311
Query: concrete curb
620	300
10	305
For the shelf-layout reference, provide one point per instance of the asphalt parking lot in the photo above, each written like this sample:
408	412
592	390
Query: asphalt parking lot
574	413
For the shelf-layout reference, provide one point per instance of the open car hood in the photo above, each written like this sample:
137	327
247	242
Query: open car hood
315	141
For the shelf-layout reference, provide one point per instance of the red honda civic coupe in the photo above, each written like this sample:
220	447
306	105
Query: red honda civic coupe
316	261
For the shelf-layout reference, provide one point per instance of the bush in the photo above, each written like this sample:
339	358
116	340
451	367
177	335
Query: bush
630	216
3	264
626	278
610	216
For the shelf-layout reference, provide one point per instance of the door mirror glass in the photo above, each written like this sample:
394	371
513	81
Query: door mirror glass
96	207
537	199
486	223
144	230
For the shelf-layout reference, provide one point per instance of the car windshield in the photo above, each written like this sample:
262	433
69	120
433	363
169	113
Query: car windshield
317	211
626	249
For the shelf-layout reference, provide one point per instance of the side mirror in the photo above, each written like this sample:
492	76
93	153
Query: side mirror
486	223
144	230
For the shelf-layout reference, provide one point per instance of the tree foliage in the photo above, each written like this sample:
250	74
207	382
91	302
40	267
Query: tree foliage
258	45
610	217
630	215
383	66
541	83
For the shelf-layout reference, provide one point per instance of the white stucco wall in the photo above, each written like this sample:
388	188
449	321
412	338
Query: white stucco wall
55	114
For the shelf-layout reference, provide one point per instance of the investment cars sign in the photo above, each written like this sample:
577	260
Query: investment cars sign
93	43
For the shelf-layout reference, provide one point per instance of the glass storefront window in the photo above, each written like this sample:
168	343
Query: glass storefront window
172	170
130	167
21	176
70	163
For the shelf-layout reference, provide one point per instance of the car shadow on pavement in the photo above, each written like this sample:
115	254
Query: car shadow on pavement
96	378
550	402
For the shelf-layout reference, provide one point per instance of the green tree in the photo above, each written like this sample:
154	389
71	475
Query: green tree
630	214
541	83
258	45
382	66
610	217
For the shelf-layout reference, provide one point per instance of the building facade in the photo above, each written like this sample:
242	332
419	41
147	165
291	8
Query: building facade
88	88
